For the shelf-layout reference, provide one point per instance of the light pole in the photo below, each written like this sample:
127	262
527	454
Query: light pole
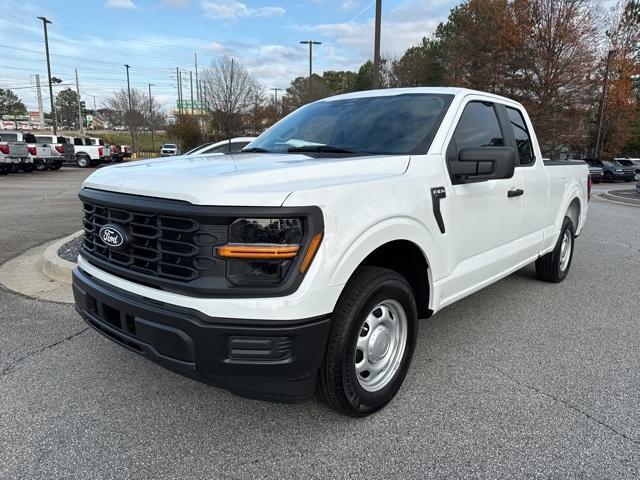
133	140
153	134
602	100
46	47
311	43
276	90
376	46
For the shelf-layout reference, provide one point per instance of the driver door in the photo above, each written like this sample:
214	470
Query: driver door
483	217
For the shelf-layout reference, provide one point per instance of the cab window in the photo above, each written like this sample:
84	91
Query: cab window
521	134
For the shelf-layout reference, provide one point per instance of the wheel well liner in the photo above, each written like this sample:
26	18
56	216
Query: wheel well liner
407	259
573	212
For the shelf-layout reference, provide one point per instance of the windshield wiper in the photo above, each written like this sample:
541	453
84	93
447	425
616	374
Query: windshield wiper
255	150
321	149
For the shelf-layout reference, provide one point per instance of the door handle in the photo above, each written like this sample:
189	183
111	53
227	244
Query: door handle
515	192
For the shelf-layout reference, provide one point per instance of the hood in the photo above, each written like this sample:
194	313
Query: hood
244	179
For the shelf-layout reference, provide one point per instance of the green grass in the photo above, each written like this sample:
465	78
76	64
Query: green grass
143	139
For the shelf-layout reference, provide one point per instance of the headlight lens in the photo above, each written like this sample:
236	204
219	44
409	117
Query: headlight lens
261	251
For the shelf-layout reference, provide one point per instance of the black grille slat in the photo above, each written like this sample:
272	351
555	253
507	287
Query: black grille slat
162	246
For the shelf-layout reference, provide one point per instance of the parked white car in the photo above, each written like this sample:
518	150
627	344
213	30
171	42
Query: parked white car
302	264
232	145
169	150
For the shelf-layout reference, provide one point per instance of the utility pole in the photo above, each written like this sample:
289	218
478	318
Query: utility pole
191	81
153	134
602	101
311	43
376	46
40	109
181	93
178	87
80	124
133	140
46	46
276	90
195	55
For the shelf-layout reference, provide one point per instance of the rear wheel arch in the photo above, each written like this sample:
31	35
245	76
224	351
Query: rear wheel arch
573	212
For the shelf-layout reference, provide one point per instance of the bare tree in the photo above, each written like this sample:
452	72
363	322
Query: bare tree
228	94
146	112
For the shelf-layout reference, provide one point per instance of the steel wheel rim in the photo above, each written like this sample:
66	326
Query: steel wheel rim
565	250
380	345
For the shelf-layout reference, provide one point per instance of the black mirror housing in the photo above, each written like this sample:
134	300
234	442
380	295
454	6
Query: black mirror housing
484	163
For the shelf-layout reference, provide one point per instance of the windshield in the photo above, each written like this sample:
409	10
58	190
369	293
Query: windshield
389	125
169	145
626	163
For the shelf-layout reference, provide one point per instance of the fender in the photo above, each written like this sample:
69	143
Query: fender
380	233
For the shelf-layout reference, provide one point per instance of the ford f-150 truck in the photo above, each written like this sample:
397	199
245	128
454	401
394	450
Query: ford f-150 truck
303	263
89	152
12	154
63	152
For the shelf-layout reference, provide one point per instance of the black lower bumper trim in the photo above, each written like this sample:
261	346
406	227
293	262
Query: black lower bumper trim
258	359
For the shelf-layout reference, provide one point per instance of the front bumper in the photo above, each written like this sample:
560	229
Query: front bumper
264	359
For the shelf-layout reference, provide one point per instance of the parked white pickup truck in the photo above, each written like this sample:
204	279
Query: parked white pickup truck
303	264
12	154
64	152
37	154
89	152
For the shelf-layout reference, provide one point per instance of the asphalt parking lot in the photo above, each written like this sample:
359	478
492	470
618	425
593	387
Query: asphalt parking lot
523	379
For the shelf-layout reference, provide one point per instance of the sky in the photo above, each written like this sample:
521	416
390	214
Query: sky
155	36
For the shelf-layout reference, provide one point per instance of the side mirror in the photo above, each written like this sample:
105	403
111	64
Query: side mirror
481	164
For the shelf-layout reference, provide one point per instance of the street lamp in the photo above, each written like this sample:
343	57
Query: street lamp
376	47
46	46
311	43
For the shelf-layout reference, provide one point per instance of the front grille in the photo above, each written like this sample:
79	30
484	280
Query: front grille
162	246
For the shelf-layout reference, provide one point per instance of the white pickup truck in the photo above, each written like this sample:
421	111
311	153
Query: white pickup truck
303	263
38	155
89	152
63	152
12	154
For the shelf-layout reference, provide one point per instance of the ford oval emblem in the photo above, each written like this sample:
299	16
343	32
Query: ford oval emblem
113	236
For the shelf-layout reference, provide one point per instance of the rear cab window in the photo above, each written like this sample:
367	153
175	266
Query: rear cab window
522	137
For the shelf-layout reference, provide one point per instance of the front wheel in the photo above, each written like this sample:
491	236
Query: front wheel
554	266
371	342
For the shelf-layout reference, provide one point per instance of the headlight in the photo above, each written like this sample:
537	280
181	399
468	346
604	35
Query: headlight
619	170
261	251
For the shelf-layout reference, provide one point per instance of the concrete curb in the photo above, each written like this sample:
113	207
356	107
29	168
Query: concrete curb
57	268
608	196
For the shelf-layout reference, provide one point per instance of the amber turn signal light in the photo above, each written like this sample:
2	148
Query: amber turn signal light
311	252
259	252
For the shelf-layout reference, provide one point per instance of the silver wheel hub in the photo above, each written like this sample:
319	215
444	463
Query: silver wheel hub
380	345
565	250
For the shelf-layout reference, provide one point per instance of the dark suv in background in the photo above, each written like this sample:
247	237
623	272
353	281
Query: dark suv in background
613	170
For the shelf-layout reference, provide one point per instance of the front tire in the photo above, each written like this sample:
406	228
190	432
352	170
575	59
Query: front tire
554	266
371	342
